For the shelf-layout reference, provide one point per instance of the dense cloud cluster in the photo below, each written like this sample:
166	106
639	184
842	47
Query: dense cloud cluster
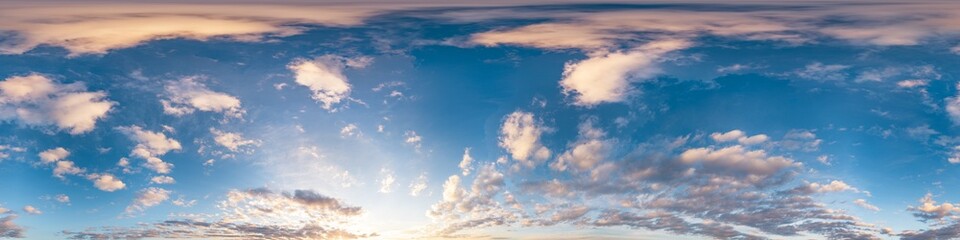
245	214
669	185
38	100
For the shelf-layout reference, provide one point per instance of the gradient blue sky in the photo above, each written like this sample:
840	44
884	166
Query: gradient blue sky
519	120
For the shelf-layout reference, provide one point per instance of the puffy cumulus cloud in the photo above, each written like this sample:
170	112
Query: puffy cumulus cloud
737	159
97	28
37	100
671	185
520	136
324	77
147	198
150	146
66	168
587	152
739	136
255	213
477	206
833	186
162	180
607	76
53	155
189	94
234	141
930	210
106	182
61	166
466	163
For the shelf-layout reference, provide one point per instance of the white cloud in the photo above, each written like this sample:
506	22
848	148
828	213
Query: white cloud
520	136
955	49
150	146
162	180
37	100
930	210
466	163
147	198
865	205
727	136
106	182
97	28
587	152
350	130
53	155
233	141
189	94
737	159
413	139
418	185
66	168
606	76
386	180
954	155
32	210
324	77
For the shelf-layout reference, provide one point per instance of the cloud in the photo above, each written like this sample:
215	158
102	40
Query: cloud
234	141
665	185
386	180
189	94
147	198
587	152
606	76
53	155
737	159
150	146
350	130
822	72
929	209
9	229
418	185
413	139
97	28
324	77
37	100
865	205
162	180
739	136
255	213
32	210
66	168
520	136
106	182
466	163
62	198
952	107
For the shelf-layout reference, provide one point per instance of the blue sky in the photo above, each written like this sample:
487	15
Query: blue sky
525	120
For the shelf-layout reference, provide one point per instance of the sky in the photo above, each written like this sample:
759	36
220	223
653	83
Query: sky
479	120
